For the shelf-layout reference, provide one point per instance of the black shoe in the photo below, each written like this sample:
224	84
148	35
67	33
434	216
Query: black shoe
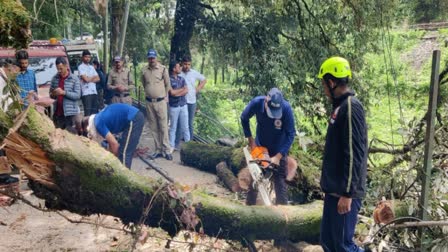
155	155
168	157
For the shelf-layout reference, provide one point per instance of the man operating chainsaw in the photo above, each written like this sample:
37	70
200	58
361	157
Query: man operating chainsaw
276	132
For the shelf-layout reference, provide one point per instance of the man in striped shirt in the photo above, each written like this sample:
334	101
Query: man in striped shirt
344	165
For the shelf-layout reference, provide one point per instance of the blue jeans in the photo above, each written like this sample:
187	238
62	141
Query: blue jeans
191	112
336	230
179	123
130	138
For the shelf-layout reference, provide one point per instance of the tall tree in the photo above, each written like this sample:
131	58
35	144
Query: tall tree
187	12
15	24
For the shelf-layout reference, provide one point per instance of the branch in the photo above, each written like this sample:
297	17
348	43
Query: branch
403	150
322	31
421	224
206	6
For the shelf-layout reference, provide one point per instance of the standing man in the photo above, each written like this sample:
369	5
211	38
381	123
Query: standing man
276	132
156	82
120	82
66	89
26	77
88	77
177	102
191	76
344	165
114	119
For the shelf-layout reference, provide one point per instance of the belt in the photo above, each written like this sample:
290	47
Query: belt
122	95
154	99
177	105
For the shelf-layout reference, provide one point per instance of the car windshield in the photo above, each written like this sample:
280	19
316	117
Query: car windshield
44	68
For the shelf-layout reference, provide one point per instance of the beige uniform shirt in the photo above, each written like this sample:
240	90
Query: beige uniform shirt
122	77
156	81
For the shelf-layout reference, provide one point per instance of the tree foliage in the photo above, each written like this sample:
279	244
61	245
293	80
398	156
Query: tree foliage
14	24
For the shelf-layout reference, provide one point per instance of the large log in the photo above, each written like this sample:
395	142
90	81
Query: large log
77	174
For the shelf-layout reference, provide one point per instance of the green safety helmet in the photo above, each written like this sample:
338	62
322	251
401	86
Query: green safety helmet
336	66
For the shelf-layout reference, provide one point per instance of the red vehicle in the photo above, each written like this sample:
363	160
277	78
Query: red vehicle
42	57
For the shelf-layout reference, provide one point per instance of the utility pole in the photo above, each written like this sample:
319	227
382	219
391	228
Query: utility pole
429	144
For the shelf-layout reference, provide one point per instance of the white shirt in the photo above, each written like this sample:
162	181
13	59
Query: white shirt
87	88
5	99
191	77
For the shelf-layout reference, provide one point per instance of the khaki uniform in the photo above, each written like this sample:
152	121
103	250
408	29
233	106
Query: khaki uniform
156	83
122	77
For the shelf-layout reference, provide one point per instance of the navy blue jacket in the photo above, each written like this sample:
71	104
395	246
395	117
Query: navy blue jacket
344	167
276	135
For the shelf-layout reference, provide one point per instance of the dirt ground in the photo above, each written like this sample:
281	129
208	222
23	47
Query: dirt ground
24	228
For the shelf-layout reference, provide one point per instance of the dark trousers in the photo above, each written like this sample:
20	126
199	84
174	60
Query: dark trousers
90	104
280	186
336	231
130	138
68	123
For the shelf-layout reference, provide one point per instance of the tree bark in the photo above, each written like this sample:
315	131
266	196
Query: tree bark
77	174
226	175
187	12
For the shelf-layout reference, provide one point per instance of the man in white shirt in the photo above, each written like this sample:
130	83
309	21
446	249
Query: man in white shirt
88	77
191	76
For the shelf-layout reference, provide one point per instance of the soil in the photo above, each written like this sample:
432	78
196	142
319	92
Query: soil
24	228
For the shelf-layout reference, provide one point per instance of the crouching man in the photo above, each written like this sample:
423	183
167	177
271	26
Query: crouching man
114	119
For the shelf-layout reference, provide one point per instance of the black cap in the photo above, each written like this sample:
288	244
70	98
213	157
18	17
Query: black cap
86	52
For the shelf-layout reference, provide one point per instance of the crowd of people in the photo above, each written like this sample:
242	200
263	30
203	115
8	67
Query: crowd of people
171	95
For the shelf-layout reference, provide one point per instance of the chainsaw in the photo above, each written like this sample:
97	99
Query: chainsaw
261	177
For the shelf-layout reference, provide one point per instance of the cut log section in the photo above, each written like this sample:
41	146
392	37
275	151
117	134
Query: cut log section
226	175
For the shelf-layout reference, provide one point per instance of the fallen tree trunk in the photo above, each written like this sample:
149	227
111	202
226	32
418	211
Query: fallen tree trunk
78	175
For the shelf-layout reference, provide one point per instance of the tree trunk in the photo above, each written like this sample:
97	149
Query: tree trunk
117	16
226	175
77	174
184	22
124	25
205	157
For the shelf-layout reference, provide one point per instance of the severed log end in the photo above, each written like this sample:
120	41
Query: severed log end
244	179
226	175
384	212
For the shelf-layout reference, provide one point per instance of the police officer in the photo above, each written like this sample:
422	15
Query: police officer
156	82
120	82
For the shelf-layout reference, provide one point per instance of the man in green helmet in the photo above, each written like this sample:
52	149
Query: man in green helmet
344	165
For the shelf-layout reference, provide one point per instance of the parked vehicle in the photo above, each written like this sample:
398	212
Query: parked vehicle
74	51
42	58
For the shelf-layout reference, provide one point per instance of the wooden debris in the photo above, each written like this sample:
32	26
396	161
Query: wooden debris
5	167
